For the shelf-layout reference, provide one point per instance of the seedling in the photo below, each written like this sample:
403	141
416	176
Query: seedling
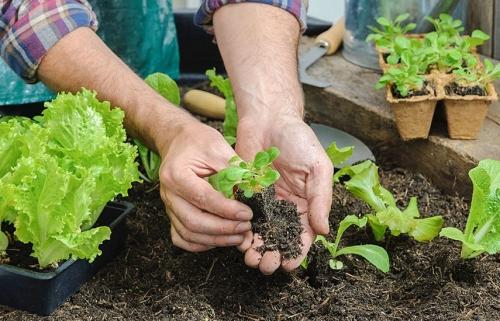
470	77
339	155
446	25
482	230
374	254
363	183
405	79
151	161
249	177
389	30
230	123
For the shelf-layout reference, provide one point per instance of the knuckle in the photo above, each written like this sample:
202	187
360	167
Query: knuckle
191	223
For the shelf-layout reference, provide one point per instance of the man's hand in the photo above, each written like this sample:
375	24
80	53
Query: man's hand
306	179
200	217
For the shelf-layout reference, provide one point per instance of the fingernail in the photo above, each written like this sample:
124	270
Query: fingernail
244	215
235	239
243	227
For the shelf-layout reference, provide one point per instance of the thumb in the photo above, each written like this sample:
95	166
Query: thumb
319	199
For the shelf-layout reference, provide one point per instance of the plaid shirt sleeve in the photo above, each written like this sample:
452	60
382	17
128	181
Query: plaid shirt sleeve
296	7
28	29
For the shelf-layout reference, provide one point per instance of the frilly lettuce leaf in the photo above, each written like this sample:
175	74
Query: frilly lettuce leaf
58	172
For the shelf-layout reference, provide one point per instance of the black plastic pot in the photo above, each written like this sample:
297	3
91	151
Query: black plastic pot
43	292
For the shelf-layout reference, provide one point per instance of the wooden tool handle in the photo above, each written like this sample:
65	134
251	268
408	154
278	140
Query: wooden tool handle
205	103
333	36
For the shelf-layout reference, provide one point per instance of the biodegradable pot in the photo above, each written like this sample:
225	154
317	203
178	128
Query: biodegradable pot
413	115
43	292
465	114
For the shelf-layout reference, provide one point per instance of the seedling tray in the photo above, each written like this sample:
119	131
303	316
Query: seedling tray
43	292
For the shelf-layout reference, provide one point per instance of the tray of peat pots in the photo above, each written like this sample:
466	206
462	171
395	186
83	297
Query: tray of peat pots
468	92
419	70
59	173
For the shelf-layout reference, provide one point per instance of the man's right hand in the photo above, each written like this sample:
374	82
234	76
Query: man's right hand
201	218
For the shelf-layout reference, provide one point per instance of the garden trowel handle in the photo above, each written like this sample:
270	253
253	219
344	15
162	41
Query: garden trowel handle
332	38
204	103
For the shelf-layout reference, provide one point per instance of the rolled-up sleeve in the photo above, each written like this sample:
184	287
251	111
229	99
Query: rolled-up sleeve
28	29
204	15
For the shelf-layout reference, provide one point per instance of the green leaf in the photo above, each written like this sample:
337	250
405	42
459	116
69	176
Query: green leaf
377	228
402	17
383	21
165	86
304	264
261	160
484	215
269	178
339	155
480	35
374	254
4	243
335	264
273	153
362	186
426	229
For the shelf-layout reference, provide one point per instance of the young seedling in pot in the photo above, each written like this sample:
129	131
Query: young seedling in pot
276	221
482	230
150	160
447	26
472	80
405	81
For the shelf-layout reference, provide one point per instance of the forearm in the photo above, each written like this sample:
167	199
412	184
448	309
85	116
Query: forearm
259	43
81	59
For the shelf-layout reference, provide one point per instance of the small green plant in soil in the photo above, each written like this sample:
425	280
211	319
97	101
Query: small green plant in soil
374	254
470	77
249	177
363	182
58	171
482	230
276	221
384	35
230	123
150	160
446	25
405	81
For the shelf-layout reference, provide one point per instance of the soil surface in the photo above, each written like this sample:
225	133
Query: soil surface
276	221
413	93
456	89
153	280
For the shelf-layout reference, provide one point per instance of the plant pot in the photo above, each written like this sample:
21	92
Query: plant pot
413	115
465	114
43	292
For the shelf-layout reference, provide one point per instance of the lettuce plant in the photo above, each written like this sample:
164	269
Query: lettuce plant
58	171
339	155
230	123
249	177
482	230
384	35
374	254
151	161
363	183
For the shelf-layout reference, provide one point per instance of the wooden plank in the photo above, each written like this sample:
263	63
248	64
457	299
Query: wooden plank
496	31
481	16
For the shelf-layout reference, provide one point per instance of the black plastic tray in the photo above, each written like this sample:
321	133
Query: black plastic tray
43	292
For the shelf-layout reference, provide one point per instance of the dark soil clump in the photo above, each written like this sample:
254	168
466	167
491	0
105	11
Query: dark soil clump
413	93
276	221
456	89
